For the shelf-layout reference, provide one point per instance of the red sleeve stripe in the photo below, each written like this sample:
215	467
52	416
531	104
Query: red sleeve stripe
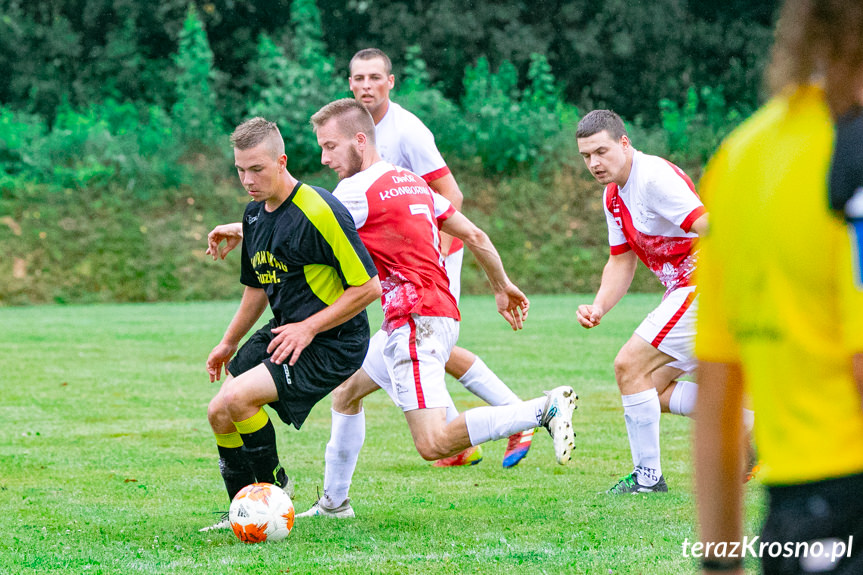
620	249
447	214
690	219
439	173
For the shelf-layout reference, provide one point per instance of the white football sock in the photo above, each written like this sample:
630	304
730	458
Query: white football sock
641	411
682	400
486	385
346	440
490	423
748	420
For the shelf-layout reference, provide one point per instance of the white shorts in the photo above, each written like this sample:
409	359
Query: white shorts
670	327
409	363
453	263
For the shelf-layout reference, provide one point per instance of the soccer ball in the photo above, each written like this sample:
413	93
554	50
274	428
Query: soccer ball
261	512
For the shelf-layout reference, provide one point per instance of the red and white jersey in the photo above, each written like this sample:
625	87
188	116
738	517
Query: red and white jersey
398	218
653	215
403	140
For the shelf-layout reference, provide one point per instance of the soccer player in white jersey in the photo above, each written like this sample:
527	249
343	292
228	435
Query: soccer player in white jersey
404	141
655	215
393	207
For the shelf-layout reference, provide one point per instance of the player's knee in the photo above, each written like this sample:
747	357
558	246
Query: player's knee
629	373
431	449
235	402
217	412
624	367
427	452
345	400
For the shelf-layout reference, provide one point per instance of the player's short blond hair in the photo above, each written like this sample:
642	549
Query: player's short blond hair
352	118
255	131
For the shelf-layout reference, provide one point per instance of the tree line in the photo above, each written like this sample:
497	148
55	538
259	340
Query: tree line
115	113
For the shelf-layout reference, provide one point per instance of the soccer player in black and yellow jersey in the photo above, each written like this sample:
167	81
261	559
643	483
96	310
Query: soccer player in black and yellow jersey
302	256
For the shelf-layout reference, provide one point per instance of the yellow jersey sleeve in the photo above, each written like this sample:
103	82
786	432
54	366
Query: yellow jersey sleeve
714	341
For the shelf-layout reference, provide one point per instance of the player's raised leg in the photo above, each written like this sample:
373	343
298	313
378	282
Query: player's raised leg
476	377
434	438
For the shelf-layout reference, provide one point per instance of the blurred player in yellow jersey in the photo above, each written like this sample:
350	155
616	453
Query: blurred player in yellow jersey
780	314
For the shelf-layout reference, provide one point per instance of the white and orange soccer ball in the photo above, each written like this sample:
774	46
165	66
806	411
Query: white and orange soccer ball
261	512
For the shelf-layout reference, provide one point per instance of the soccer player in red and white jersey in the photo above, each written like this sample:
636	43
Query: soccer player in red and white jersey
655	215
403	140
399	218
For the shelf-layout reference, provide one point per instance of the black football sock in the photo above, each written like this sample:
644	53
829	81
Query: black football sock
233	465
259	447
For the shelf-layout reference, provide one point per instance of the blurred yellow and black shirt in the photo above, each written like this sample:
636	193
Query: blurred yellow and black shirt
776	290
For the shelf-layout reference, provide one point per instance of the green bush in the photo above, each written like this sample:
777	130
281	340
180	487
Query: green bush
107	145
694	129
20	137
194	111
510	129
293	87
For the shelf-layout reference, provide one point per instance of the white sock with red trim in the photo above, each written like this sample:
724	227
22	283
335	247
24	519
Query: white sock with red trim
346	440
490	423
642	411
486	385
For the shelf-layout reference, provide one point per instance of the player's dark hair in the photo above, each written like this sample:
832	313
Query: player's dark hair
597	121
819	40
352	116
371	54
255	131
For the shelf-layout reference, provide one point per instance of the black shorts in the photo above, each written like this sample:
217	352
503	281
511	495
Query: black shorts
321	367
820	511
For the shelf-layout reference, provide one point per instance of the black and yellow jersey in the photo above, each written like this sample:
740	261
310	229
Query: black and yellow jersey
777	295
304	254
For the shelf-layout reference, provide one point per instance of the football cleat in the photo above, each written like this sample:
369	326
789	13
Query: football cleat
223	523
557	419
517	448
630	485
284	481
752	465
343	511
470	456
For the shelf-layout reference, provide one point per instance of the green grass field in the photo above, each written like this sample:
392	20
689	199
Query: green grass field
107	464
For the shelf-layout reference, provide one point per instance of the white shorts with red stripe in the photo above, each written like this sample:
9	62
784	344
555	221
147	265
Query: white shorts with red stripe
409	363
670	327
